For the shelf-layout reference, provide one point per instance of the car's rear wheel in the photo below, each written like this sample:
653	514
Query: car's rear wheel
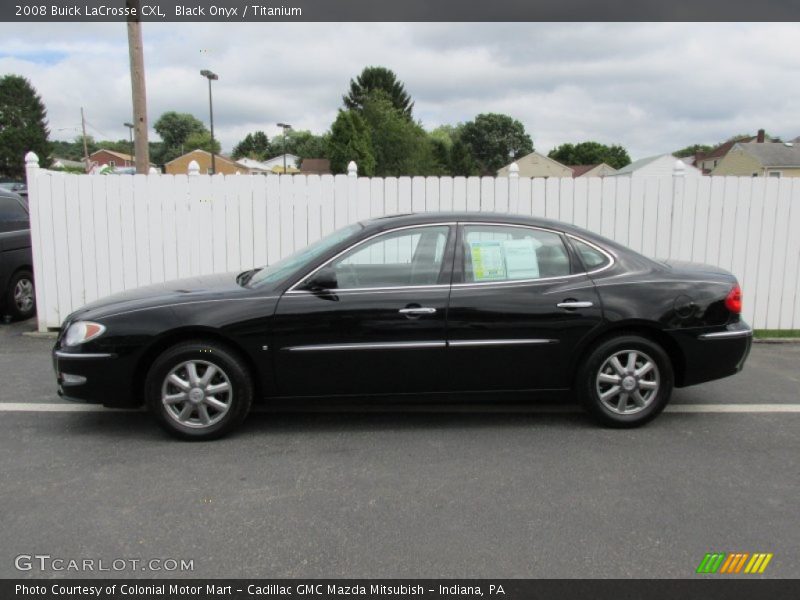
199	390
625	381
21	296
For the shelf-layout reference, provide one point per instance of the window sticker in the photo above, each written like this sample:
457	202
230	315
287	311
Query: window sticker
488	261
521	259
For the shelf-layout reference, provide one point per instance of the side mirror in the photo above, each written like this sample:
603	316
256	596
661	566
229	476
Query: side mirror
323	280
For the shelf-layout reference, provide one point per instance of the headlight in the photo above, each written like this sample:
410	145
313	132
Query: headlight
83	331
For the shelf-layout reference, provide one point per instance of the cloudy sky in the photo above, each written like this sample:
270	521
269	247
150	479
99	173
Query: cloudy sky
650	87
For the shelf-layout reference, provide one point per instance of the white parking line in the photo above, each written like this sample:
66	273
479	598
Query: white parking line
733	408
673	408
31	407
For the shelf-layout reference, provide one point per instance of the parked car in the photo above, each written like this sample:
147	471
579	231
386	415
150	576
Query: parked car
421	306
18	187
16	262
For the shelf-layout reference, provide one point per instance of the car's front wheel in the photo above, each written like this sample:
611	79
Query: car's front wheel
199	390
625	381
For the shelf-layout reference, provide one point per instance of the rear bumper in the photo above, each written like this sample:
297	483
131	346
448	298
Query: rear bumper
714	354
95	378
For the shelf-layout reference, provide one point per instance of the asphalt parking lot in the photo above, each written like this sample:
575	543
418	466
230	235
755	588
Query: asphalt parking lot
495	492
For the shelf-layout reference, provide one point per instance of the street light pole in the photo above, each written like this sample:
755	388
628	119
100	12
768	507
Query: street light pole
284	126
130	127
211	77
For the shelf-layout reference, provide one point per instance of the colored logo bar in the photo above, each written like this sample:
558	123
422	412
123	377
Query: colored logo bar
734	562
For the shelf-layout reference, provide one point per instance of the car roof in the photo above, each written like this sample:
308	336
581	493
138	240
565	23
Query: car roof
421	218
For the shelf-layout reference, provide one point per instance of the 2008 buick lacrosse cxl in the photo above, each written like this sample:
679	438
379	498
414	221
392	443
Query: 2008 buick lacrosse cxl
422	306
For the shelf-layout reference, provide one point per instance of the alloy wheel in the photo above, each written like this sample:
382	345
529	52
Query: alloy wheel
627	382
23	295
197	394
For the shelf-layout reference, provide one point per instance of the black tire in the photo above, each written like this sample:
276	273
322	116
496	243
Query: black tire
633	414
230	369
27	309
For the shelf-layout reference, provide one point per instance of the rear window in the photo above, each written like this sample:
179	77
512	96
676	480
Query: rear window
12	215
591	257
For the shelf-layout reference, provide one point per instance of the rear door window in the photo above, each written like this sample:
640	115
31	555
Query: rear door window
13	216
509	253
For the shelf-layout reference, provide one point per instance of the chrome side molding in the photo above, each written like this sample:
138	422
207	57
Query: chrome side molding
413	345
60	354
522	342
723	335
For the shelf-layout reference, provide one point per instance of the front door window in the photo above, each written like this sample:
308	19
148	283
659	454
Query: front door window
406	257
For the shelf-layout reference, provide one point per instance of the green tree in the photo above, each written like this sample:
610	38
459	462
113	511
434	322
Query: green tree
23	126
461	160
692	150
591	153
378	78
300	143
350	140
175	129
494	140
440	155
201	140
254	145
400	146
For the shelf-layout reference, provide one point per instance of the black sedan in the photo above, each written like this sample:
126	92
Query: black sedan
422	306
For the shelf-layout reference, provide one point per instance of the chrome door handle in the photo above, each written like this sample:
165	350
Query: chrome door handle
574	304
420	310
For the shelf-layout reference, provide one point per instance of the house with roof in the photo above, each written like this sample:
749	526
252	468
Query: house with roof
599	170
768	159
255	166
275	164
655	166
112	158
224	164
315	166
708	161
537	165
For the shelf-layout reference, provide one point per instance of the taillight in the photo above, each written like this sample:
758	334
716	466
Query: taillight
733	301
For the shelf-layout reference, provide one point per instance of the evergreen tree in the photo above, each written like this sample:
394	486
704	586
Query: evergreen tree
461	160
350	140
399	145
23	126
378	78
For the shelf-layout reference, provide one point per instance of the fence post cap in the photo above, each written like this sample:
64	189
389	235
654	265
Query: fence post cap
31	160
513	170
679	169
352	169
194	168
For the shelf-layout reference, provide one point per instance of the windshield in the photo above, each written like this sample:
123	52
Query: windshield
291	263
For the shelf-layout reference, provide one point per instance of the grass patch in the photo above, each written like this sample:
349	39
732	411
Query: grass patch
776	333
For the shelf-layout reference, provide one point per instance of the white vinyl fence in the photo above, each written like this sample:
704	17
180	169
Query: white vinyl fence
94	235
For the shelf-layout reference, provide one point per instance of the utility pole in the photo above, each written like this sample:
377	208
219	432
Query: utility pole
211	76
141	148
284	126
130	127
85	144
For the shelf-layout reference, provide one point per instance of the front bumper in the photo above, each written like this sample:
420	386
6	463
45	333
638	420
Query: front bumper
93	377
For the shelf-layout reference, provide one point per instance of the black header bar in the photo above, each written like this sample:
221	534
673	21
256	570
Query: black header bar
283	11
702	587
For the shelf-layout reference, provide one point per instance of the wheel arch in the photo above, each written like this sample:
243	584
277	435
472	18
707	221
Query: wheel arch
644	329
184	334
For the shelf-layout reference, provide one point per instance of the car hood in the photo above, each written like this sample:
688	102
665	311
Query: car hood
693	268
163	294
